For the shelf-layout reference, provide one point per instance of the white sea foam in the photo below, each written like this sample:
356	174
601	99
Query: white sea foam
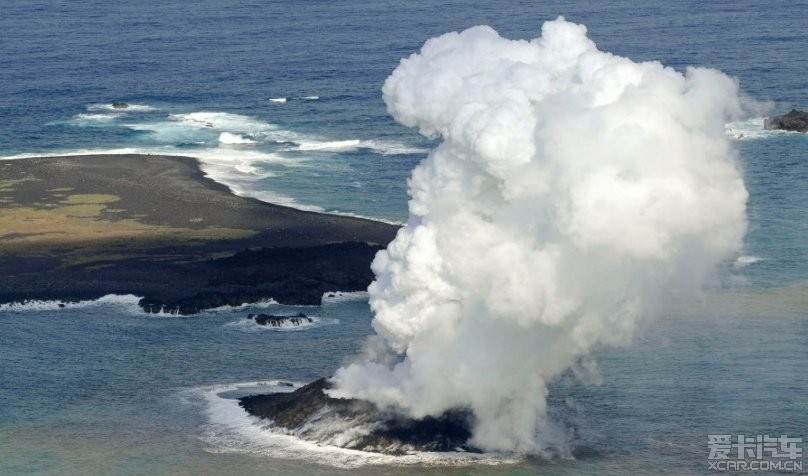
127	302
129	107
393	147
382	147
365	217
249	325
276	198
259	131
310	98
84	118
753	128
70	153
263	304
336	145
238	168
222	121
277	100
90	120
233	430
235	139
174	133
745	260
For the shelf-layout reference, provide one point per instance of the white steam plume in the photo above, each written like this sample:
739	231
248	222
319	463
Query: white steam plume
573	188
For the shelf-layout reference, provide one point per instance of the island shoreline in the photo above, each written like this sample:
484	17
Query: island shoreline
80	227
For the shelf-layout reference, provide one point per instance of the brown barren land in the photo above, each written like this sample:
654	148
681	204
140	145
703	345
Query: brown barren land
80	227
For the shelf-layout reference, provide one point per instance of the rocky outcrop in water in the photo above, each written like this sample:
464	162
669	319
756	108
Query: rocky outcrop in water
793	121
119	105
357	424
280	321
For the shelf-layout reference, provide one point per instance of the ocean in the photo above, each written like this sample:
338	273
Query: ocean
282	101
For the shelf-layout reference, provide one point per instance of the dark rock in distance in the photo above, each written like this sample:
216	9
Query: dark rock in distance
119	105
307	411
793	121
278	321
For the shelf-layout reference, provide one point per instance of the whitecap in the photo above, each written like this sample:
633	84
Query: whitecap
223	121
336	145
277	100
95	117
745	260
310	98
234	139
90	120
345	145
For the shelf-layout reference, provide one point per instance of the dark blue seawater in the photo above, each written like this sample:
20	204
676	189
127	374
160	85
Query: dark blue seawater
101	389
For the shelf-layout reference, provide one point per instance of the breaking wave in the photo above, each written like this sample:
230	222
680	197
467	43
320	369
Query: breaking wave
92	120
228	138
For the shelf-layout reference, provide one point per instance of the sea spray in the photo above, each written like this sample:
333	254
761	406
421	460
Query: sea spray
572	190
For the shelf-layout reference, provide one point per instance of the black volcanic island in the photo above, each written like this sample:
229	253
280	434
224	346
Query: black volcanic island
312	415
80	227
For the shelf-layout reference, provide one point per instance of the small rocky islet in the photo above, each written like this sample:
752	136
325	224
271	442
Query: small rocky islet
795	121
310	414
272	320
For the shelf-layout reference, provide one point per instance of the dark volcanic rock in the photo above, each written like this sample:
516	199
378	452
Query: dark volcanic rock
119	105
278	321
793	121
287	275
181	241
312	415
